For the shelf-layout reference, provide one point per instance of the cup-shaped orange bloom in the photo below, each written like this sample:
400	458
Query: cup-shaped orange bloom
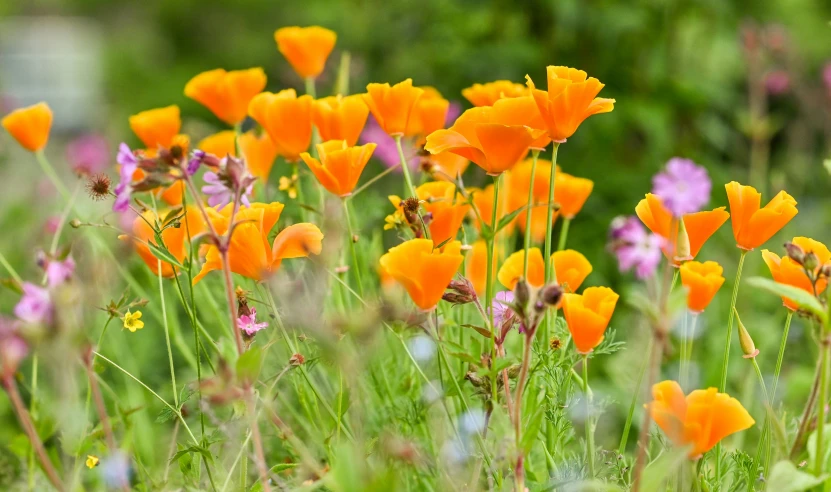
571	193
588	315
489	93
429	114
250	253
286	118
519	183
219	144
175	239
447	208
570	99
422	270
522	110
29	126
393	106
259	152
699	420
787	271
157	127
340	118
476	266
339	166
481	137
700	225
570	266
306	48
702	281
226	94
446	165
482	201
752	225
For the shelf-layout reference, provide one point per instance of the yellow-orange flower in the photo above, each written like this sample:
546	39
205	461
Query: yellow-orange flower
787	271
489	93
700	225
306	48
571	193
522	110
249	253
393	106
422	270
30	126
429	114
570	99
226	94
588	315
519	183
175	239
752	225
219	144
260	153
702	281
476	266
286	118
699	420
446	165
339	166
340	118
157	127
482	201
485	140
570	266
447	207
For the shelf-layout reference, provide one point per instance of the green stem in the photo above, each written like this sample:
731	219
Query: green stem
550	274
563	234
781	355
489	280
635	396
372	181
589	430
405	167
683	369
351	239
823	397
9	268
167	337
310	87
50	173
765	426
534	156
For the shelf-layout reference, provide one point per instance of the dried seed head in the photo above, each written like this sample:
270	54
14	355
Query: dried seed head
795	252
551	294
98	186
297	360
410	205
555	343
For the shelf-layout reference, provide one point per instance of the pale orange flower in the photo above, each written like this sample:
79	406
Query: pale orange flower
227	94
570	267
286	118
570	99
424	271
340	118
446	165
260	153
429	114
588	315
699	420
175	239
219	144
393	106
447	207
787	271
306	48
753	226
489	93
476	266
339	166
702	281
571	193
30	126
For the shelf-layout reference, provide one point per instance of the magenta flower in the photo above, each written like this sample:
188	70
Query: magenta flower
88	154
59	272
124	189
13	348
777	82
35	306
683	187
634	247
220	194
248	323
501	312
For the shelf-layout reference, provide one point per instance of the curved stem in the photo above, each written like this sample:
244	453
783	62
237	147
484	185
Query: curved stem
167	336
405	167
635	395
50	173
823	398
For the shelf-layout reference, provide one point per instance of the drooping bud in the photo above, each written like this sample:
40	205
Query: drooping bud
795	252
746	342
682	246
522	296
462	292
551	294
811	261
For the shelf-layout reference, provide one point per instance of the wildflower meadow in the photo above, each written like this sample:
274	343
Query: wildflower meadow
384	287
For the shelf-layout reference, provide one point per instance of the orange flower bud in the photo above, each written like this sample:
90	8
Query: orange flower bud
570	266
447	207
699	420
753	226
570	99
489	93
702	281
306	48
340	118
175	239
286	118
259	152
339	166
392	106
588	315
157	127
227	94
425	272
29	126
787	271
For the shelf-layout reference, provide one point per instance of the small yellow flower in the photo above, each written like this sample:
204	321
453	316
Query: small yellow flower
394	221
92	461
132	321
289	185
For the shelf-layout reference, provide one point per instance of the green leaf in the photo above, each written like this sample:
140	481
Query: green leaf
504	221
465	357
249	364
532	429
164	255
283	467
165	415
802	298
480	330
785	477
193	449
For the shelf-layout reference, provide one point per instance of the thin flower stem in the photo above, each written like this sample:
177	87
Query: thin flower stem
167	336
550	274
807	412
10	269
489	240
690	343
534	156
589	430
561	245
507	386
351	239
635	396
683	367
374	179
95	389
781	355
262	469
405	167
520	386
50	173
236	462
766	425
823	398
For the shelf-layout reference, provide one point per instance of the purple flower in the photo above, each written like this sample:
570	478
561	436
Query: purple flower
684	187
124	189
35	306
386	149
777	82
58	272
635	247
219	194
248	323
501	312
195	161
88	154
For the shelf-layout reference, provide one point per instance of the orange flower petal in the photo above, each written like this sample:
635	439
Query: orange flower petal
157	127
30	126
306	48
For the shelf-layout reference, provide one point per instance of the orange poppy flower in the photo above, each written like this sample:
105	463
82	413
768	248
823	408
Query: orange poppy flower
519	182
753	226
446	166
286	118
787	271
588	315
476	266
340	118
260	153
175	239
30	126
522	110
482	200
157	127
219	144
570	99
571	193
570	266
447	207
422	270
487	141
227	94
250	254
700	225
699	420
489	93
339	166
702	281
393	106
306	48
429	114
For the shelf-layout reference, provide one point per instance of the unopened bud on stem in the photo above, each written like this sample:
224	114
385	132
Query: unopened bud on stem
795	252
746	342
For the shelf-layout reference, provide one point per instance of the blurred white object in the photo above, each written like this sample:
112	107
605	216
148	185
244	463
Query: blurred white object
52	59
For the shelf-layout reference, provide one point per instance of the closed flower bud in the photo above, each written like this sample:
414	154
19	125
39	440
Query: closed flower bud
795	252
463	292
551	294
75	223
746	342
522	295
811	261
825	271
474	379
683	251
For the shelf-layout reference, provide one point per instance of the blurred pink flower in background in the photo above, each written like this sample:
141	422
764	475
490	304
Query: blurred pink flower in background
35	306
634	247
88	154
683	186
777	82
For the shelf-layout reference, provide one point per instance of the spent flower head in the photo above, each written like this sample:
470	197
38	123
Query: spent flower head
683	186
